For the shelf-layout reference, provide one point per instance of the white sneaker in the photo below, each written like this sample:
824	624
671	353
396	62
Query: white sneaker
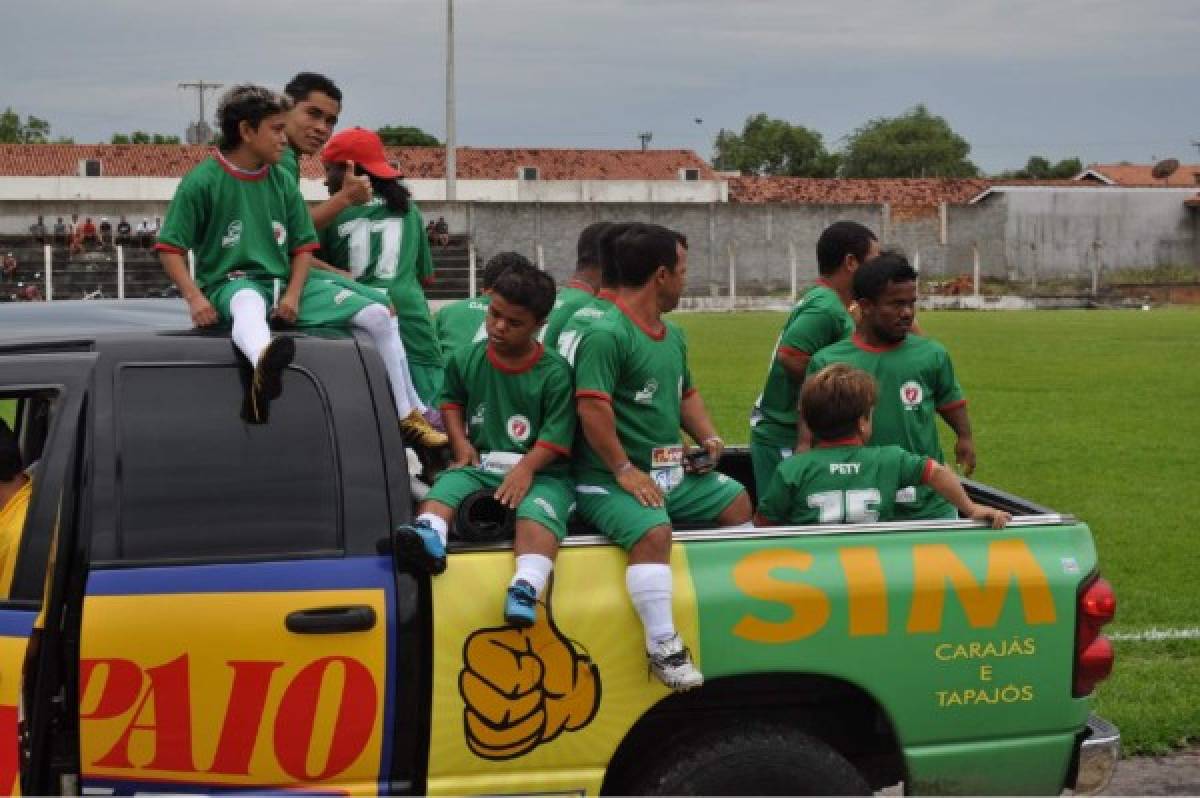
671	663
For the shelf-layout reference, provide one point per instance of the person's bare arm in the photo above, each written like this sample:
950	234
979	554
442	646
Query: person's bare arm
956	416
516	482
696	422
948	486
599	424
794	362
355	190
175	265
463	452
289	304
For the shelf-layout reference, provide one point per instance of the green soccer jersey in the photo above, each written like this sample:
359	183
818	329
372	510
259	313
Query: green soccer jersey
290	163
237	221
571	298
511	410
915	380
461	324
818	320
581	320
841	482
387	250
645	375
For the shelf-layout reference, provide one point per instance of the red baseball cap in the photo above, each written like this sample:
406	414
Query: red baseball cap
362	146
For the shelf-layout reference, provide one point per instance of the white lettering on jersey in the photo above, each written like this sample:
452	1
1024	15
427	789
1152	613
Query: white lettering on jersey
844	469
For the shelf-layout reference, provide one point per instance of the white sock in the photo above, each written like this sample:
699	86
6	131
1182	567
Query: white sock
438	523
649	586
745	525
250	331
378	323
534	569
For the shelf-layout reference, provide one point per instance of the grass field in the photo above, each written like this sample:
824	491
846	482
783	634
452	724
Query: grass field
1089	412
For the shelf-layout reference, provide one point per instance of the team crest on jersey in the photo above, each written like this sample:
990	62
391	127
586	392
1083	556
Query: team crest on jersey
646	394
478	416
518	428
233	234
280	233
911	394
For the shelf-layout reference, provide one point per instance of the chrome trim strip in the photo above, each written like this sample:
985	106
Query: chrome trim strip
775	532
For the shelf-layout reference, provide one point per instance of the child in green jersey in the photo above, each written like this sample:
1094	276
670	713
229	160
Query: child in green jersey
841	480
382	244
511	418
461	324
250	230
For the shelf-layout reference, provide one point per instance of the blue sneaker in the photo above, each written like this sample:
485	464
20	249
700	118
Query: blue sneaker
421	545
520	608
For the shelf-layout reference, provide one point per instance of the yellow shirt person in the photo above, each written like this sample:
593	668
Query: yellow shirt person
12	520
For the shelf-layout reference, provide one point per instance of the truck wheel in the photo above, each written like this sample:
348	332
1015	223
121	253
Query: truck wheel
750	759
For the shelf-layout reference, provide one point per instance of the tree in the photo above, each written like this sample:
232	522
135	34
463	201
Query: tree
914	144
404	136
1040	168
769	146
32	131
142	137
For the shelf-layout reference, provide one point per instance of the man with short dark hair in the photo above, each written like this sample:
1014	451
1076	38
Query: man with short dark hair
915	376
819	319
634	394
60	232
316	104
37	231
581	288
124	231
106	231
461	323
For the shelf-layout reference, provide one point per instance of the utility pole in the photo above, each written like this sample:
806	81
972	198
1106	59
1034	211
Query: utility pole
645	136
451	143
200	132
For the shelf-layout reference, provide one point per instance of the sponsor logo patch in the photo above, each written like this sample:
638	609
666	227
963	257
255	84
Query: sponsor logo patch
646	394
911	394
233	234
280	233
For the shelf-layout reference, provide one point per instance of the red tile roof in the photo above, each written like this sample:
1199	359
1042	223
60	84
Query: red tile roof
907	195
162	160
1136	174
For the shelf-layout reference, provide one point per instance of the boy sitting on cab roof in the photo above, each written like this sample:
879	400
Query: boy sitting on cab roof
841	480
509	408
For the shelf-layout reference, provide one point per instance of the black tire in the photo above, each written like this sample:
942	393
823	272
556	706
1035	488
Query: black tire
750	758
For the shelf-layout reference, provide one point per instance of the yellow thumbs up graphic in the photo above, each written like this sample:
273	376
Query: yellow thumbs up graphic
524	687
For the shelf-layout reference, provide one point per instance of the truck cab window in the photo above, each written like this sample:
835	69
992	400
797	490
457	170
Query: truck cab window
195	481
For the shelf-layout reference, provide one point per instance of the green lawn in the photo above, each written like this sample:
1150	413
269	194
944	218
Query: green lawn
1089	412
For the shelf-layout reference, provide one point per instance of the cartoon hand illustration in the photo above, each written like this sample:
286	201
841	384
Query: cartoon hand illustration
524	687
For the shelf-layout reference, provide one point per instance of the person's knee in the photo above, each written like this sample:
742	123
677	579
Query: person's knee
248	302
739	511
374	318
655	546
533	538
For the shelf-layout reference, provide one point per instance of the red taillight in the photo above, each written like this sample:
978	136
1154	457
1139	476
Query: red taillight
1093	652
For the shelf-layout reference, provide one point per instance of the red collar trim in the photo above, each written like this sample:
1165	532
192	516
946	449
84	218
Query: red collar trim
240	173
866	347
821	281
581	285
656	335
519	369
607	294
850	440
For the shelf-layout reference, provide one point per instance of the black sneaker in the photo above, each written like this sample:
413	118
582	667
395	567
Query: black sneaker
420	545
267	382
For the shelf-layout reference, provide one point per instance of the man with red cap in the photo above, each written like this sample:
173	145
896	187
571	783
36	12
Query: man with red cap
382	243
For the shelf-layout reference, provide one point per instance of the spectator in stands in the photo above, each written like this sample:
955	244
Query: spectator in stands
441	231
37	231
106	232
60	232
156	227
9	266
89	235
124	231
145	237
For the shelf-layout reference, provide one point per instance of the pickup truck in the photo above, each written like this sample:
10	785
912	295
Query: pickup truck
201	605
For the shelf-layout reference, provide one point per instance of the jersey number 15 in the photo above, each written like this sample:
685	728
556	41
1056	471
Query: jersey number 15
846	506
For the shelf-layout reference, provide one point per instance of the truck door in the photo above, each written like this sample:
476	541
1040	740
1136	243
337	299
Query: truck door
41	401
236	630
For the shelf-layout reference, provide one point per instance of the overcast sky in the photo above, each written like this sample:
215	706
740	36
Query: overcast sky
1105	80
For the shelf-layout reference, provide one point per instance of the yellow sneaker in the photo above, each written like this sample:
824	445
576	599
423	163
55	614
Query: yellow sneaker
417	431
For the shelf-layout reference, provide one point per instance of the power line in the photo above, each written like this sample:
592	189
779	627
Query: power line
199	132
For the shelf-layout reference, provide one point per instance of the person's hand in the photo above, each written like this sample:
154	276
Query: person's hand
288	308
964	456
641	485
524	687
515	486
202	311
356	189
715	448
466	456
998	519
